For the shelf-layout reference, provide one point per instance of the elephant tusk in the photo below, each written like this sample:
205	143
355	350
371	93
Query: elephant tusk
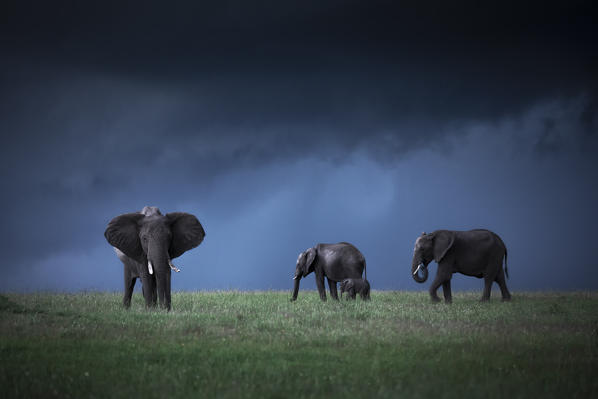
417	270
173	267
295	278
150	267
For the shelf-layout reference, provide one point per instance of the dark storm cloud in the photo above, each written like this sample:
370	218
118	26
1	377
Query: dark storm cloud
109	106
358	64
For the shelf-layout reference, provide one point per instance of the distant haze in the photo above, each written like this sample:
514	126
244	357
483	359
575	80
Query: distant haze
284	124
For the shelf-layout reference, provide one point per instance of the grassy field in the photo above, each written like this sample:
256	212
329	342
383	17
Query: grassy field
257	344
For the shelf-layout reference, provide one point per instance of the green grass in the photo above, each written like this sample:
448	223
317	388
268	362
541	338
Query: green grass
257	344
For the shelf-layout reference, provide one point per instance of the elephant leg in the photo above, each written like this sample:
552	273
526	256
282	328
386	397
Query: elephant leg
320	286
443	277
500	280
446	290
352	293
167	291
438	280
487	288
129	286
333	292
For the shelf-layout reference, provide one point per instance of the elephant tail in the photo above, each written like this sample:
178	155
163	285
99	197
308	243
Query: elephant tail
506	268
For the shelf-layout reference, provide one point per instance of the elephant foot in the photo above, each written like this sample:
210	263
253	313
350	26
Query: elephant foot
435	299
449	301
484	299
506	299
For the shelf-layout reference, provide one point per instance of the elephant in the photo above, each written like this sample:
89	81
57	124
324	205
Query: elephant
146	242
336	262
478	253
353	286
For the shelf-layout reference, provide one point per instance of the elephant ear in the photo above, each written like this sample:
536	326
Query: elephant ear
123	233
310	256
443	241
187	233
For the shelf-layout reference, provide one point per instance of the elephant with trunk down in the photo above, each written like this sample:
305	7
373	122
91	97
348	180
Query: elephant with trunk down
477	253
146	242
336	262
354	286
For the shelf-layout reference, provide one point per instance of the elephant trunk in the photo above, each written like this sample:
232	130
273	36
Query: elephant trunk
159	260
296	279
163	283
416	266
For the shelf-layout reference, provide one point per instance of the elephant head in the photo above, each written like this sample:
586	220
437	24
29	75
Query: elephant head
428	247
345	286
153	240
305	265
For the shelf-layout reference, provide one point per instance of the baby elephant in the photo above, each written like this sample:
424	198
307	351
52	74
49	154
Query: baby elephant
356	285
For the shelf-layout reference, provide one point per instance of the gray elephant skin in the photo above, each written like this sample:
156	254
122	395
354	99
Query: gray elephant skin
146	242
336	262
353	286
478	253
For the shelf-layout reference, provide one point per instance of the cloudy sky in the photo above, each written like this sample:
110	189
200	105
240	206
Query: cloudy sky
282	124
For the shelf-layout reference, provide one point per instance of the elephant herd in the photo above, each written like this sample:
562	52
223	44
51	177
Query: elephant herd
147	241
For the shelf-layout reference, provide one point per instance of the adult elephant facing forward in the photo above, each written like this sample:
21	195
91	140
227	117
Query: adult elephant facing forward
146	242
336	262
478	253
